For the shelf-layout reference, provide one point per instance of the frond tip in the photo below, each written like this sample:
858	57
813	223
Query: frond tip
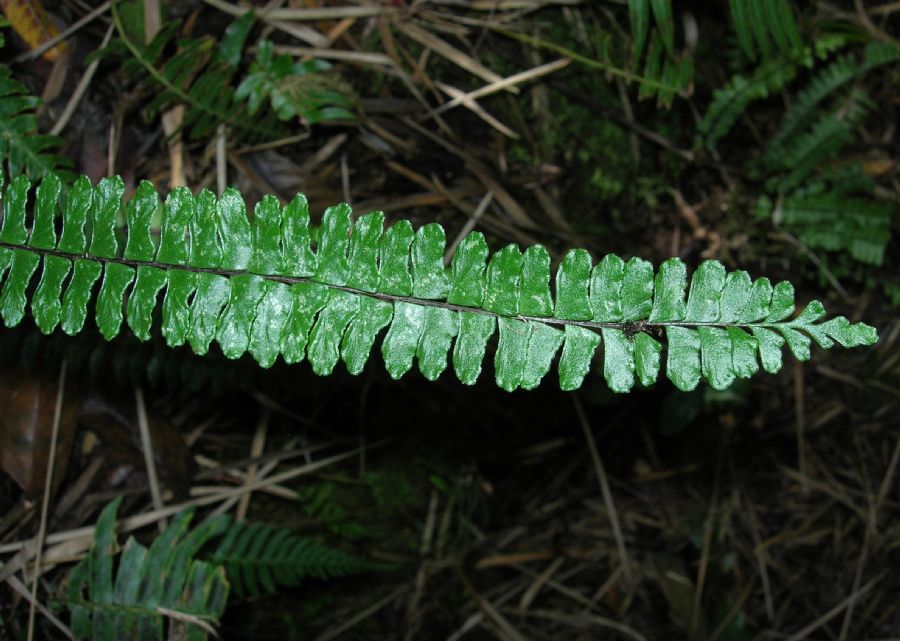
259	559
261	287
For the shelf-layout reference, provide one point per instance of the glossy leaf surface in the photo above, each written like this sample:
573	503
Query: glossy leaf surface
259	286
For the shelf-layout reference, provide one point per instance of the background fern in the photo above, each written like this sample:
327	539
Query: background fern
259	559
831	78
653	24
138	600
801	190
294	89
25	150
206	76
837	212
200	74
764	27
732	100
129	362
134	601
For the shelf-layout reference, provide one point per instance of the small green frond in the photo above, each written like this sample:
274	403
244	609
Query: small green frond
200	75
259	559
665	23
730	102
666	72
257	286
835	219
802	154
132	602
823	85
25	150
892	291
295	90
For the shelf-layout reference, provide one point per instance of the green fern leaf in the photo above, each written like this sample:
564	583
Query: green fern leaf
200	75
837	221
293	89
666	73
25	150
232	42
730	102
131	603
804	153
824	84
258	286
259	559
782	25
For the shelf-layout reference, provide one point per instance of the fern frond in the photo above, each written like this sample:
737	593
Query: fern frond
665	23
259	559
802	154
26	151
130	603
674	75
639	19
194	76
833	220
824	84
258	286
730	102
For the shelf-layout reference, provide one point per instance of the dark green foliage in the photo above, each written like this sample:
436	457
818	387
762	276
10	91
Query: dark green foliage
155	592
828	134
766	27
834	76
823	211
257	286
203	75
837	214
830	210
731	101
128	362
259	559
200	74
336	509
368	508
24	149
670	72
294	89
810	133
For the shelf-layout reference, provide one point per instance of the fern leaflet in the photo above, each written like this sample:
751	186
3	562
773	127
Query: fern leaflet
672	72
293	89
842	216
765	26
